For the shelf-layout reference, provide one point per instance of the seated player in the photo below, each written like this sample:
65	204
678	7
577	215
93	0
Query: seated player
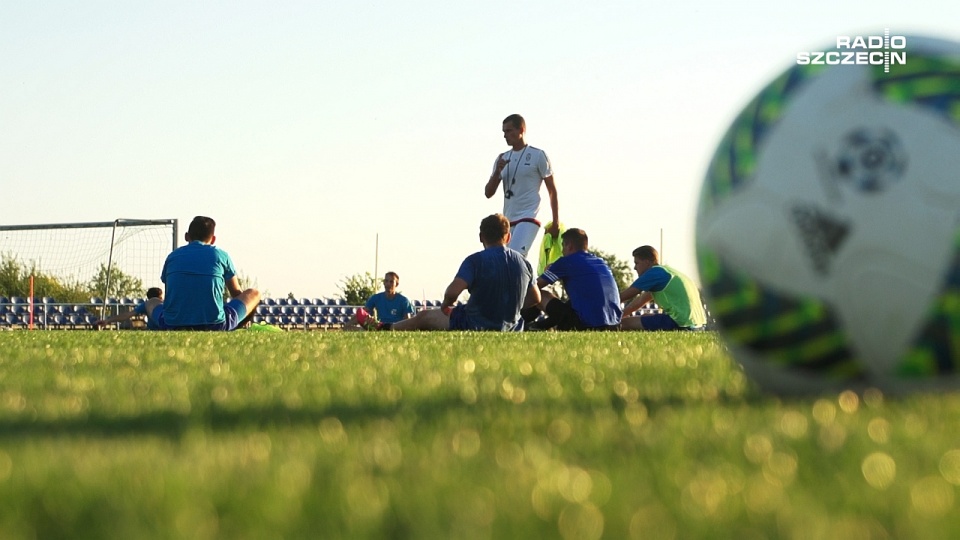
500	281
196	275
385	308
594	300
675	293
154	298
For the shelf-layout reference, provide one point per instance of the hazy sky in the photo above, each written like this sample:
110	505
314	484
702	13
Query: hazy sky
307	129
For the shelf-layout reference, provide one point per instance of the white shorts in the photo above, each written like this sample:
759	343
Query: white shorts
522	237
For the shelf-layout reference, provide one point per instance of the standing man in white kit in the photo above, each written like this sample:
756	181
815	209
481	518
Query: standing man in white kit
522	169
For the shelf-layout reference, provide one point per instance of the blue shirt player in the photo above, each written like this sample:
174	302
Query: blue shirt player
500	281
196	275
594	298
387	307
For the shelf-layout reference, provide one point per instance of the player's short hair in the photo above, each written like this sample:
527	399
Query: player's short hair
202	228
516	121
154	292
576	237
394	274
647	253
494	228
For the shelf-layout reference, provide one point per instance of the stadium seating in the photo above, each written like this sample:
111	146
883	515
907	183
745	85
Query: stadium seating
292	314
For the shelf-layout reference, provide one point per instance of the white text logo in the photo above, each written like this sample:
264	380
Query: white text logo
885	50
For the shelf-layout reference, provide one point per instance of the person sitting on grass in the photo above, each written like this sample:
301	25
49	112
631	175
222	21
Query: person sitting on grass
196	275
385	308
500	281
594	300
675	293
154	299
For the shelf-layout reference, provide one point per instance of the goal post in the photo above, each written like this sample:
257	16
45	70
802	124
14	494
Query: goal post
99	258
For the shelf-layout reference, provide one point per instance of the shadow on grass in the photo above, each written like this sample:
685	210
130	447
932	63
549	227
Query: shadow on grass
213	417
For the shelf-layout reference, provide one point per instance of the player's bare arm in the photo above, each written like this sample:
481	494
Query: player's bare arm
233	287
533	296
494	182
452	293
638	302
554	229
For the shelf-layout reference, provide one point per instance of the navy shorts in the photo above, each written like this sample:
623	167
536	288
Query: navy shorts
460	321
234	311
458	318
662	321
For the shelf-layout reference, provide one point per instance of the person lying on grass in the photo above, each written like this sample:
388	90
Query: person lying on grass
154	299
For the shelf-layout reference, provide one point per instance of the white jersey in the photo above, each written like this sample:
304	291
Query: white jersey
521	178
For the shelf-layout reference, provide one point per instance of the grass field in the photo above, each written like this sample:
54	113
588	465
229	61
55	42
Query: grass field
450	435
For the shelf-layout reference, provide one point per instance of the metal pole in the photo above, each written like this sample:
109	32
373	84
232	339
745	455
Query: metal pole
661	245
106	291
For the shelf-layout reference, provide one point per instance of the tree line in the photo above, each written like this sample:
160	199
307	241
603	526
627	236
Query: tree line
357	288
15	281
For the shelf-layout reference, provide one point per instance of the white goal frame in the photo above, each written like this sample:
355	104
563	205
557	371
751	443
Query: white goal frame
113	225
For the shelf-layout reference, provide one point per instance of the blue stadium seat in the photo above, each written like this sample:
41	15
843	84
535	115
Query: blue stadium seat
4	300
18	300
263	309
48	300
57	321
269	302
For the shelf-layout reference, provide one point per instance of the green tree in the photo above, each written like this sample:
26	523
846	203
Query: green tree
15	281
121	284
356	289
622	270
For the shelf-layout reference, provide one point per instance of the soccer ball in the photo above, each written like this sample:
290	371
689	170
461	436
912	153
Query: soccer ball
828	229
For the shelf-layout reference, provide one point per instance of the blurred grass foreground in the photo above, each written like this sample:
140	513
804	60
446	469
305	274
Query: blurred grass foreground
451	435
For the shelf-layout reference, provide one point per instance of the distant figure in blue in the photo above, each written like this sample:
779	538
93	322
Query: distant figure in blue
594	298
154	299
387	307
500	281
196	275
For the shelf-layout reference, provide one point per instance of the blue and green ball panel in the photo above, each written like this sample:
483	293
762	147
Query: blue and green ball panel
930	81
734	162
936	350
801	334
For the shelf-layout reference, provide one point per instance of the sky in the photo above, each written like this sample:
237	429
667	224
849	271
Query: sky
329	139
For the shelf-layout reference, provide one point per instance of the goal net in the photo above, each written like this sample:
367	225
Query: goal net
103	259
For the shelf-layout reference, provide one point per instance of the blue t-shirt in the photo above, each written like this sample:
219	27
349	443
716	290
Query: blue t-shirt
591	287
195	275
653	280
675	293
390	310
498	279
